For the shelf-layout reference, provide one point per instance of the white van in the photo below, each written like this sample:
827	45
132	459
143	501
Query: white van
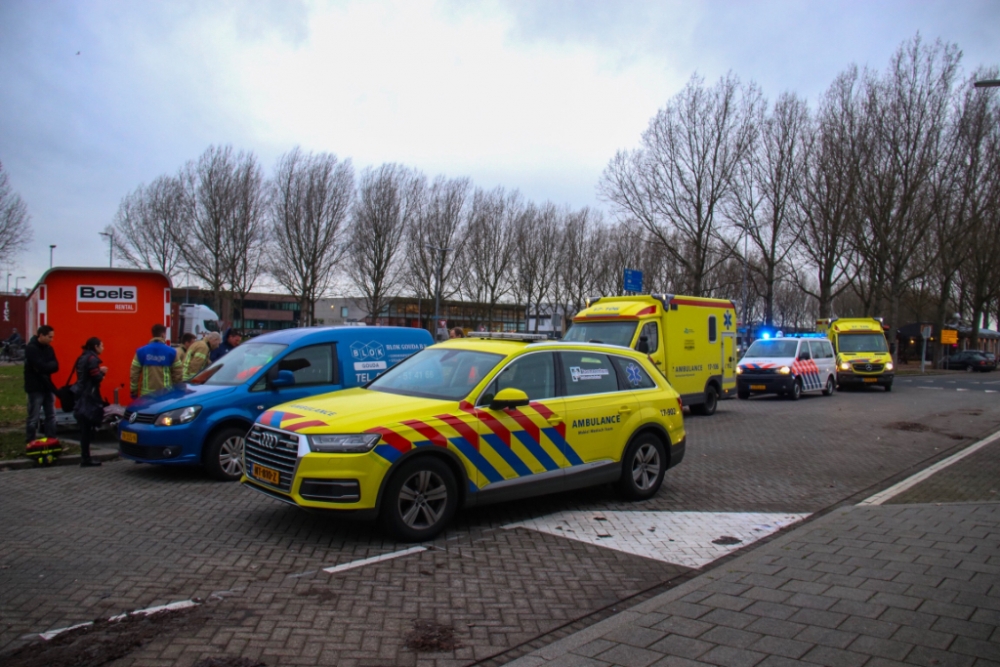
788	366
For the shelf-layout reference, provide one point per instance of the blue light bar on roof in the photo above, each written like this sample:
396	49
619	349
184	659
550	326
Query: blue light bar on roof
805	335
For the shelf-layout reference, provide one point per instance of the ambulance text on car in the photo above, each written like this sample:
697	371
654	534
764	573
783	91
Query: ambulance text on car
690	339
471	421
787	366
862	353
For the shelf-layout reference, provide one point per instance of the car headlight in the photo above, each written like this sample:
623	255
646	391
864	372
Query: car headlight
178	416
343	442
845	366
784	370
739	370
889	366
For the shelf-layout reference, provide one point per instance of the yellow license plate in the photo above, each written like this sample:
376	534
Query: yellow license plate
266	474
758	387
128	436
871	380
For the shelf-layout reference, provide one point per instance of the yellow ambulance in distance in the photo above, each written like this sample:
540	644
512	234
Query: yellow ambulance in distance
862	352
468	421
692	340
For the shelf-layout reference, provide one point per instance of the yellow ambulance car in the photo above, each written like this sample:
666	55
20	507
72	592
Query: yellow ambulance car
862	352
692	340
471	421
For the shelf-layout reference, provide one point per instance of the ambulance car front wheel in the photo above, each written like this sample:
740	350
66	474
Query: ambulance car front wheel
420	500
643	466
795	393
224	454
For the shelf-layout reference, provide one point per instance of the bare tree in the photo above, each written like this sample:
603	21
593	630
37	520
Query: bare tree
535	241
979	196
311	196
208	185
15	223
487	263
246	233
387	200
676	182
905	111
577	270
148	224
436	238
764	202
828	196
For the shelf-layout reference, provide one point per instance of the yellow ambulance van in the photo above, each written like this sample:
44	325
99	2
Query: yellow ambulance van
692	340
862	352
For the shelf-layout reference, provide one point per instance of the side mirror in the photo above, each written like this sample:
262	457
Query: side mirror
509	398
642	345
281	379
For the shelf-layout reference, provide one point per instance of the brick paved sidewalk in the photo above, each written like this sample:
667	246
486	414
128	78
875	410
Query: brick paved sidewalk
874	585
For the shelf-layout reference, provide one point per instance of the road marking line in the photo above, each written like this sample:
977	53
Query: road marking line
960	389
930	387
689	539
990	391
148	611
374	559
912	481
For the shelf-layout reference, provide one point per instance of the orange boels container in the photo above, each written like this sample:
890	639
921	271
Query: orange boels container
119	306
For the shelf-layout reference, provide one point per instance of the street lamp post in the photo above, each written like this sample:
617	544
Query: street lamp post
437	283
111	247
8	281
17	279
51	248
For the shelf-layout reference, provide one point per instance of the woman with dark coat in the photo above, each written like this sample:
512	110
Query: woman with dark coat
89	408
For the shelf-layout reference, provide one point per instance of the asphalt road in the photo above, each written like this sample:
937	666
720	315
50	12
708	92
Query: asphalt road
80	544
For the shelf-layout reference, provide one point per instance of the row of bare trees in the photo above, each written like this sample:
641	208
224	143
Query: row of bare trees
888	191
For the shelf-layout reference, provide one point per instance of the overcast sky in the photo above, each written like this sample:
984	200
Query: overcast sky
99	97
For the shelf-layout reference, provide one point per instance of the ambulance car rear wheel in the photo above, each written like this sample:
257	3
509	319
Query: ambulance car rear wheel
643	466
830	387
708	407
224	454
420	500
796	392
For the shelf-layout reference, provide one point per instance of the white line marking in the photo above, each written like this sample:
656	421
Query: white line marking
374	559
173	606
930	387
690	539
991	391
960	389
910	482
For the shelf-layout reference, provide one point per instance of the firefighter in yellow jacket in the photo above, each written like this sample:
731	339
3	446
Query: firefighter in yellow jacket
155	365
197	355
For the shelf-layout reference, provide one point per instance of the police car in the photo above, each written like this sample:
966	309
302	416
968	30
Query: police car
471	421
788	366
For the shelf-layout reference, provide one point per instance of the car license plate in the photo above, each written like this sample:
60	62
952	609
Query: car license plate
128	436
871	379
266	474
758	387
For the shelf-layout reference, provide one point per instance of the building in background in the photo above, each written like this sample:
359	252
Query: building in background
414	312
13	315
261	312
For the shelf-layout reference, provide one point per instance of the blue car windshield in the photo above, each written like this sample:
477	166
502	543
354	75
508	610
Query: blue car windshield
445	373
241	364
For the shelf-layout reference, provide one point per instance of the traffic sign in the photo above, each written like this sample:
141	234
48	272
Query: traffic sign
926	331
949	336
633	280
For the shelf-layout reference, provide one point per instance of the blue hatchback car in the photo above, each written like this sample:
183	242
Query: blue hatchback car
202	422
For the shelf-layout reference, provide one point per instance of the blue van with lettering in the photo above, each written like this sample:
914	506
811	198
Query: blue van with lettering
203	421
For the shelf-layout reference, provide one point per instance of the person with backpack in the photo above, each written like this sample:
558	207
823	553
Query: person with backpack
39	364
89	406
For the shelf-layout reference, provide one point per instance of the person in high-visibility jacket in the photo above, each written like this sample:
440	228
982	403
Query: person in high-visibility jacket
155	365
197	355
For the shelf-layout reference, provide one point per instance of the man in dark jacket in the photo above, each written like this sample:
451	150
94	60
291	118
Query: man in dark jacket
39	365
230	339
